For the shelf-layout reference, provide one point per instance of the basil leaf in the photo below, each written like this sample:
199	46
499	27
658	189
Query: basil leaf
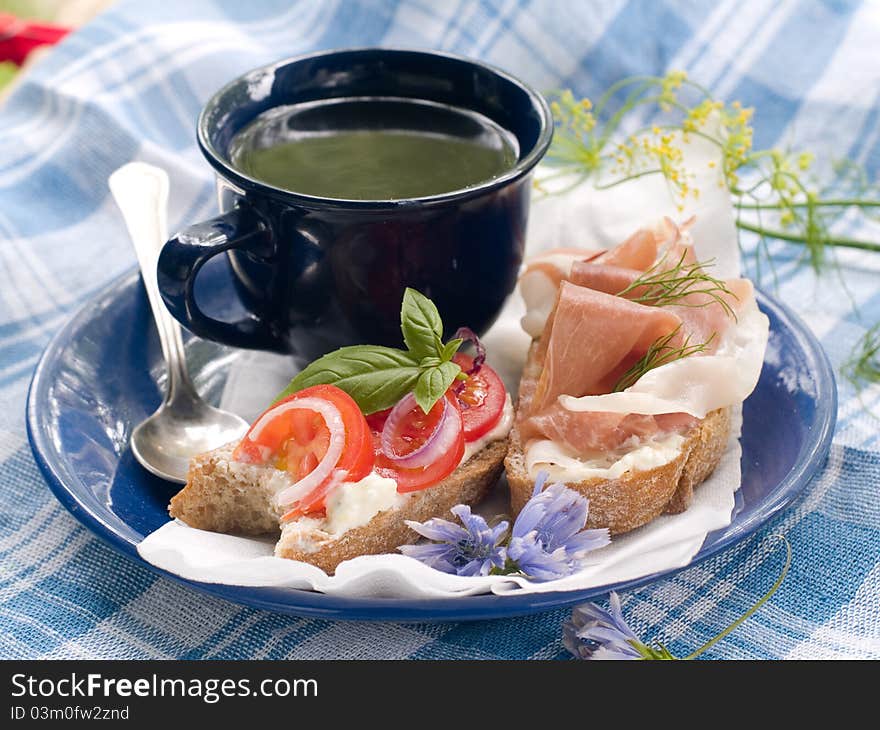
433	383
421	325
376	377
450	348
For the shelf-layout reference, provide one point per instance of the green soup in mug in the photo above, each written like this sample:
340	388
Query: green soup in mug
373	148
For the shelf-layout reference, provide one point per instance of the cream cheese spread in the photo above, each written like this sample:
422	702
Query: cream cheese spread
543	454
353	504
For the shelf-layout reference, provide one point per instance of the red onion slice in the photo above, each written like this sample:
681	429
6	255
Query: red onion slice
468	335
442	438
333	419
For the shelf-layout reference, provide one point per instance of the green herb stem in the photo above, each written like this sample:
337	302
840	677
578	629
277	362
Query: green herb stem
660	353
662	287
830	203
647	81
622	180
794	238
760	602
863	366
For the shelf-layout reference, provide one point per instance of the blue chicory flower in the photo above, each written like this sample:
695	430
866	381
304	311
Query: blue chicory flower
594	633
473	549
548	539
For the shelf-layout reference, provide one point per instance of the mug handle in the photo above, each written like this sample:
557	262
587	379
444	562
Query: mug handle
184	255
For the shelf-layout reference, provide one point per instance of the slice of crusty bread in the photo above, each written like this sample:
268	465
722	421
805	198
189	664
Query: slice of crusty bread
636	497
222	495
225	496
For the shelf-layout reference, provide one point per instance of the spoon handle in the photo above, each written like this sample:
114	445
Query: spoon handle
141	192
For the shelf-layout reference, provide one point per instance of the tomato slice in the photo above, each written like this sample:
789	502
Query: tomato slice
376	420
411	432
481	399
296	440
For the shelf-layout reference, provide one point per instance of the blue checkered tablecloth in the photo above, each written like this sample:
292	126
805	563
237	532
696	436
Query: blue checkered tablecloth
130	85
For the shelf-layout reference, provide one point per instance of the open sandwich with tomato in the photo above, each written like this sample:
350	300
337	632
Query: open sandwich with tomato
363	440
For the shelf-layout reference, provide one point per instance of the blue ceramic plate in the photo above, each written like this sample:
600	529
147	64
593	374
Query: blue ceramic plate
103	372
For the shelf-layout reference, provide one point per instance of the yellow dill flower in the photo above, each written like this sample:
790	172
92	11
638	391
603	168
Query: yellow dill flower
669	85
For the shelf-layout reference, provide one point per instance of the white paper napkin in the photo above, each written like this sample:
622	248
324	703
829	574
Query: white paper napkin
583	217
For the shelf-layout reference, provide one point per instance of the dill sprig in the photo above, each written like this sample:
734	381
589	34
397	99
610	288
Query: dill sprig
660	353
863	366
663	287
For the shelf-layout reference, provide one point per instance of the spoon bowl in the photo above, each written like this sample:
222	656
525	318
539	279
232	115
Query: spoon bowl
166	441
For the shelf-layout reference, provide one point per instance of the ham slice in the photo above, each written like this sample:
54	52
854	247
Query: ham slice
591	338
639	251
702	316
695	385
594	431
608	278
544	272
705	318
556	263
540	282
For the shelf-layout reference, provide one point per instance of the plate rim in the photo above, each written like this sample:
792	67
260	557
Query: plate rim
313	604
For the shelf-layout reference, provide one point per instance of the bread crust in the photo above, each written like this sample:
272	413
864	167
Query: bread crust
224	496
636	497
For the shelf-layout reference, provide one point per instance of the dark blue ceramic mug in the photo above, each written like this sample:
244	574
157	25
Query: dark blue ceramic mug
317	273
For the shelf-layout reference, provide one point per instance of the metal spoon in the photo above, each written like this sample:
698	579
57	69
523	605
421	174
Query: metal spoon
184	425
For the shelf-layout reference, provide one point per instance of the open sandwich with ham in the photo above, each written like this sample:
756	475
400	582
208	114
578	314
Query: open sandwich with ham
638	357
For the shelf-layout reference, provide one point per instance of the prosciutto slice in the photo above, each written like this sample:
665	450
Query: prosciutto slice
639	251
608	278
703	317
591	335
543	273
598	431
694	385
591	339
